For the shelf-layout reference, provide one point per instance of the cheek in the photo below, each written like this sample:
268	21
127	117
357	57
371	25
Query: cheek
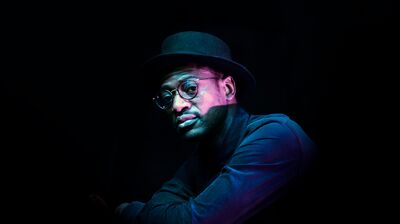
208	100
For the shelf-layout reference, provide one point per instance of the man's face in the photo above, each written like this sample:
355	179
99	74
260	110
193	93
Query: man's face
197	117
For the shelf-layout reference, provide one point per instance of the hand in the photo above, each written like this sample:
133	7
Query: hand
120	208
100	210
98	202
127	212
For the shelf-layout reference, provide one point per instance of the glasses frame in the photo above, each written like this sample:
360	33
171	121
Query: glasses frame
172	92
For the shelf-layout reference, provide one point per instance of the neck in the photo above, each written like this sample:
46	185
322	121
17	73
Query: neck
215	141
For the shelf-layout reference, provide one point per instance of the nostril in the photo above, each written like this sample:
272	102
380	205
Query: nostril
179	104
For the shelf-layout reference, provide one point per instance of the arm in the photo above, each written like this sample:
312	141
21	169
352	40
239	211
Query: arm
266	161
166	205
264	164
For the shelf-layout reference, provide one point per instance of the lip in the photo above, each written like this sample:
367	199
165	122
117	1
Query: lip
185	117
187	123
186	120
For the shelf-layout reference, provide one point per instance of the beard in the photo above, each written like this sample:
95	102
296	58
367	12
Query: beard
206	126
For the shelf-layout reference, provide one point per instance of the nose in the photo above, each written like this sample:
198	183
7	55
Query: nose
179	104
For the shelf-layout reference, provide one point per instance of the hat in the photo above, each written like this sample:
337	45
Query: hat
204	49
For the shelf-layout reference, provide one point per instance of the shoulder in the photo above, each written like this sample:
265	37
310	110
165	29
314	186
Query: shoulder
269	134
256	121
279	124
276	136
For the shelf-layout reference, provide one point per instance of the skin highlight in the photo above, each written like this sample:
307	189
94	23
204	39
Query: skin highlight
208	112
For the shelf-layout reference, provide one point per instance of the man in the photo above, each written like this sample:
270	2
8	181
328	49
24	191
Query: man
243	162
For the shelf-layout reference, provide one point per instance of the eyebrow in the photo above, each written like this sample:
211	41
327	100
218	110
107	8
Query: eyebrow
180	80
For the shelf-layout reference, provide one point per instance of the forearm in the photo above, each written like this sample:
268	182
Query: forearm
155	212
128	212
167	205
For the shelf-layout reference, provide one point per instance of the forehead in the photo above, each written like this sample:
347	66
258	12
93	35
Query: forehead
175	77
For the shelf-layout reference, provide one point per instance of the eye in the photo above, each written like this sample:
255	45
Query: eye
165	96
189	88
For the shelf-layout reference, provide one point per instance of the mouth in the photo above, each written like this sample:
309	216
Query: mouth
187	123
186	120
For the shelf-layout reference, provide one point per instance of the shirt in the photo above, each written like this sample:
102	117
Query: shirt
260	156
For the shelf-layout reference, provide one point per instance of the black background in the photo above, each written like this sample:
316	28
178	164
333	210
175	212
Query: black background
78	117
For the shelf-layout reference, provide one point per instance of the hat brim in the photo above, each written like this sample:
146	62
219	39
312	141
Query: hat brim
163	64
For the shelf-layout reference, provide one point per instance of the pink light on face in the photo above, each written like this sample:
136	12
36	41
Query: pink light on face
180	104
195	117
210	97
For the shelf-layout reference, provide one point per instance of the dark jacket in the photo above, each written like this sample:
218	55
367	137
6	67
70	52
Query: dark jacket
260	157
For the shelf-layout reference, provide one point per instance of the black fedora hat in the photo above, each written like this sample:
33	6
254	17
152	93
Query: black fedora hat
204	49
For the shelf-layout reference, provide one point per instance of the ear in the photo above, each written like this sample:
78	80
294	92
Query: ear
230	87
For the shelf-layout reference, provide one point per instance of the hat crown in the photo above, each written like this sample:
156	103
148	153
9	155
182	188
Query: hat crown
198	43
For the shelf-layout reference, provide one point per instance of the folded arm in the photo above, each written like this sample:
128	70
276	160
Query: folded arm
266	161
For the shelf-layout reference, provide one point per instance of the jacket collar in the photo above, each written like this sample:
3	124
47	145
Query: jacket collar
233	136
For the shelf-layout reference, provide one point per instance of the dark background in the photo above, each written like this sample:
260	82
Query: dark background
78	117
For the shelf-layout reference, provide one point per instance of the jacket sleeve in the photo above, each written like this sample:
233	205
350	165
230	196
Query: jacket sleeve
167	205
265	162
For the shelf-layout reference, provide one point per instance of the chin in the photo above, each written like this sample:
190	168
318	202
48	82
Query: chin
192	134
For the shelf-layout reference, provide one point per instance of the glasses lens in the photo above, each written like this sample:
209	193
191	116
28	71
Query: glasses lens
164	99
188	89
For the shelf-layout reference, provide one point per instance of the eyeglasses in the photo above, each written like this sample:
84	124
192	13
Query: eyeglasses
187	90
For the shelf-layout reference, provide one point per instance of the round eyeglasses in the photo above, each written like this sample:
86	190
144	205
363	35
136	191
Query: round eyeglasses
187	89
